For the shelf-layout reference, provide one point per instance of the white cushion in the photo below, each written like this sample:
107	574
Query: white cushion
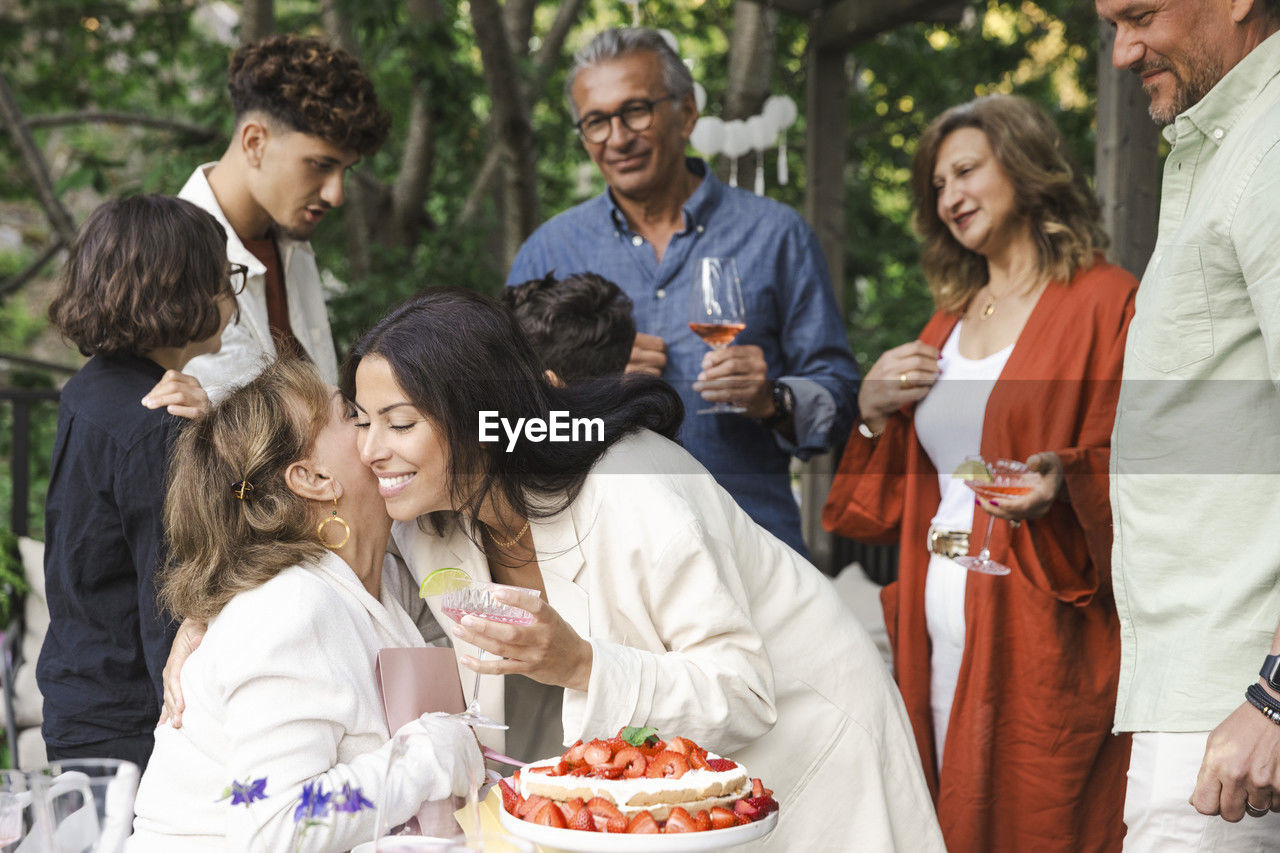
28	705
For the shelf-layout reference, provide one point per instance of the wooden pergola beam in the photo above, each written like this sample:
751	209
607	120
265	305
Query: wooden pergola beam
1127	171
843	24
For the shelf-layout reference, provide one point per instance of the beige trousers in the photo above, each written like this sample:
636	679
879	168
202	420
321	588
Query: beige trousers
1157	815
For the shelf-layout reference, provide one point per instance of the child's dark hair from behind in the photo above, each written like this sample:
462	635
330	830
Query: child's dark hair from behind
145	272
580	326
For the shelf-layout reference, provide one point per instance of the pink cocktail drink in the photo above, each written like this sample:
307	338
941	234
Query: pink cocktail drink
477	599
1005	479
991	491
456	614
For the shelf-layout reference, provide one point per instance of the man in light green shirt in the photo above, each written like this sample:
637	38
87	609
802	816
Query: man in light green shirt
1195	486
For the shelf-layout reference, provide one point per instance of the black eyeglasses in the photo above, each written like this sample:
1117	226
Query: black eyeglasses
637	116
238	275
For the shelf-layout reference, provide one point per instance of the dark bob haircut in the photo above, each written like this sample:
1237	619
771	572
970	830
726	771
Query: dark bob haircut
145	272
454	353
580	326
310	87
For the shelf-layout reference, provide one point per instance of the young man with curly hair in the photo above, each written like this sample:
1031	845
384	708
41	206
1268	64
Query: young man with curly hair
304	114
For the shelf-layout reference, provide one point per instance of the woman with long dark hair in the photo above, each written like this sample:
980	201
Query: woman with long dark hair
659	601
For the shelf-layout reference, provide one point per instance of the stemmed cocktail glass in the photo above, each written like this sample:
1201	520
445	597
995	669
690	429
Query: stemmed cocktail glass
1003	478
716	311
476	598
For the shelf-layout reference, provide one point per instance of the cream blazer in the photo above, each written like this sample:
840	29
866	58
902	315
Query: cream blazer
281	687
247	346
705	625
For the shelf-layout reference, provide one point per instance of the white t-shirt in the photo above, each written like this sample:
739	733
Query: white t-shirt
949	423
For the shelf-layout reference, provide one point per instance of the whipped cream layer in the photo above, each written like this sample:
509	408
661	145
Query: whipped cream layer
698	787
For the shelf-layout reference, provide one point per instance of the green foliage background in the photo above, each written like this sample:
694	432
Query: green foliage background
68	55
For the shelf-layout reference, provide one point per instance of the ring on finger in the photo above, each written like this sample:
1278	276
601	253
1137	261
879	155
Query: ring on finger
1255	811
904	382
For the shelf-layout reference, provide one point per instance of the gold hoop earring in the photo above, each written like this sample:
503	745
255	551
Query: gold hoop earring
334	519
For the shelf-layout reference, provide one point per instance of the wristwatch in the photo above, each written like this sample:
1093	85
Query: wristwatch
1270	672
784	403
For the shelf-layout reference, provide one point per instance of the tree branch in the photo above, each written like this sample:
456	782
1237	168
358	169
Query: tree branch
336	26
257	19
37	169
135	119
543	61
16	283
409	190
518	20
751	60
38	363
510	119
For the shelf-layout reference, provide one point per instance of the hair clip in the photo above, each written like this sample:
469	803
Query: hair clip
241	488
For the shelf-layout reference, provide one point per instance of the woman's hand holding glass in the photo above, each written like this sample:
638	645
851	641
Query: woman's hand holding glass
1046	486
547	650
901	376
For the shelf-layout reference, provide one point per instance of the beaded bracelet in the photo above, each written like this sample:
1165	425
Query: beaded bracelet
1263	701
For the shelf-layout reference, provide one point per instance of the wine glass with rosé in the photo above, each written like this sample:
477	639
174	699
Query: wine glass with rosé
461	596
717	312
1003	478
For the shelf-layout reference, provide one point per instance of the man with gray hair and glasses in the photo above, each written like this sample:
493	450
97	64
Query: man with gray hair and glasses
1195	482
632	100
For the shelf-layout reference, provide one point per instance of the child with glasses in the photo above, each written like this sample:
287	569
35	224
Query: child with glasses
146	289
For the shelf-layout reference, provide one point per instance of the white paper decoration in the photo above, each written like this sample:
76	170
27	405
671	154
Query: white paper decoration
762	133
699	96
783	113
736	143
708	136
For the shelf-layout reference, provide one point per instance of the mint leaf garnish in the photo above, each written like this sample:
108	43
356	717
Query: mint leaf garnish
637	736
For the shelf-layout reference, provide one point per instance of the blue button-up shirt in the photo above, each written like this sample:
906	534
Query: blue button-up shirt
791	315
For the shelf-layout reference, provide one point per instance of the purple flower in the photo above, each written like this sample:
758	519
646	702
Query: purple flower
352	800
314	802
247	792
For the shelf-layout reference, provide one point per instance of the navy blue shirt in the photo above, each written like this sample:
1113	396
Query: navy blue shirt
100	666
791	315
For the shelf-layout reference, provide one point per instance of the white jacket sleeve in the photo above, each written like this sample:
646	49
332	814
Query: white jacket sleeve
715	682
242	356
287	713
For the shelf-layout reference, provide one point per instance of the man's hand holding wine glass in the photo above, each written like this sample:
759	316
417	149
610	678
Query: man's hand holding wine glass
737	375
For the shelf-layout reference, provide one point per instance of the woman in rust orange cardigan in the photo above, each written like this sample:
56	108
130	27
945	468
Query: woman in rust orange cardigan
1009	681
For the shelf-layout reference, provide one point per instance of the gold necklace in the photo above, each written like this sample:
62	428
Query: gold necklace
508	543
989	307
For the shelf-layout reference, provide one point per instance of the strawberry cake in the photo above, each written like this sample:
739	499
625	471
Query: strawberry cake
636	782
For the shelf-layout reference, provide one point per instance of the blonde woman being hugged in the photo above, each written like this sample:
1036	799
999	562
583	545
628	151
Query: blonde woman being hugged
278	541
1009	681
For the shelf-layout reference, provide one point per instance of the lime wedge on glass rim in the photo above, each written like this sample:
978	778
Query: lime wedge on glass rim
443	580
974	471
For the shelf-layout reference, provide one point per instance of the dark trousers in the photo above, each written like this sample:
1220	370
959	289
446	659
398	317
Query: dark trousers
135	748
